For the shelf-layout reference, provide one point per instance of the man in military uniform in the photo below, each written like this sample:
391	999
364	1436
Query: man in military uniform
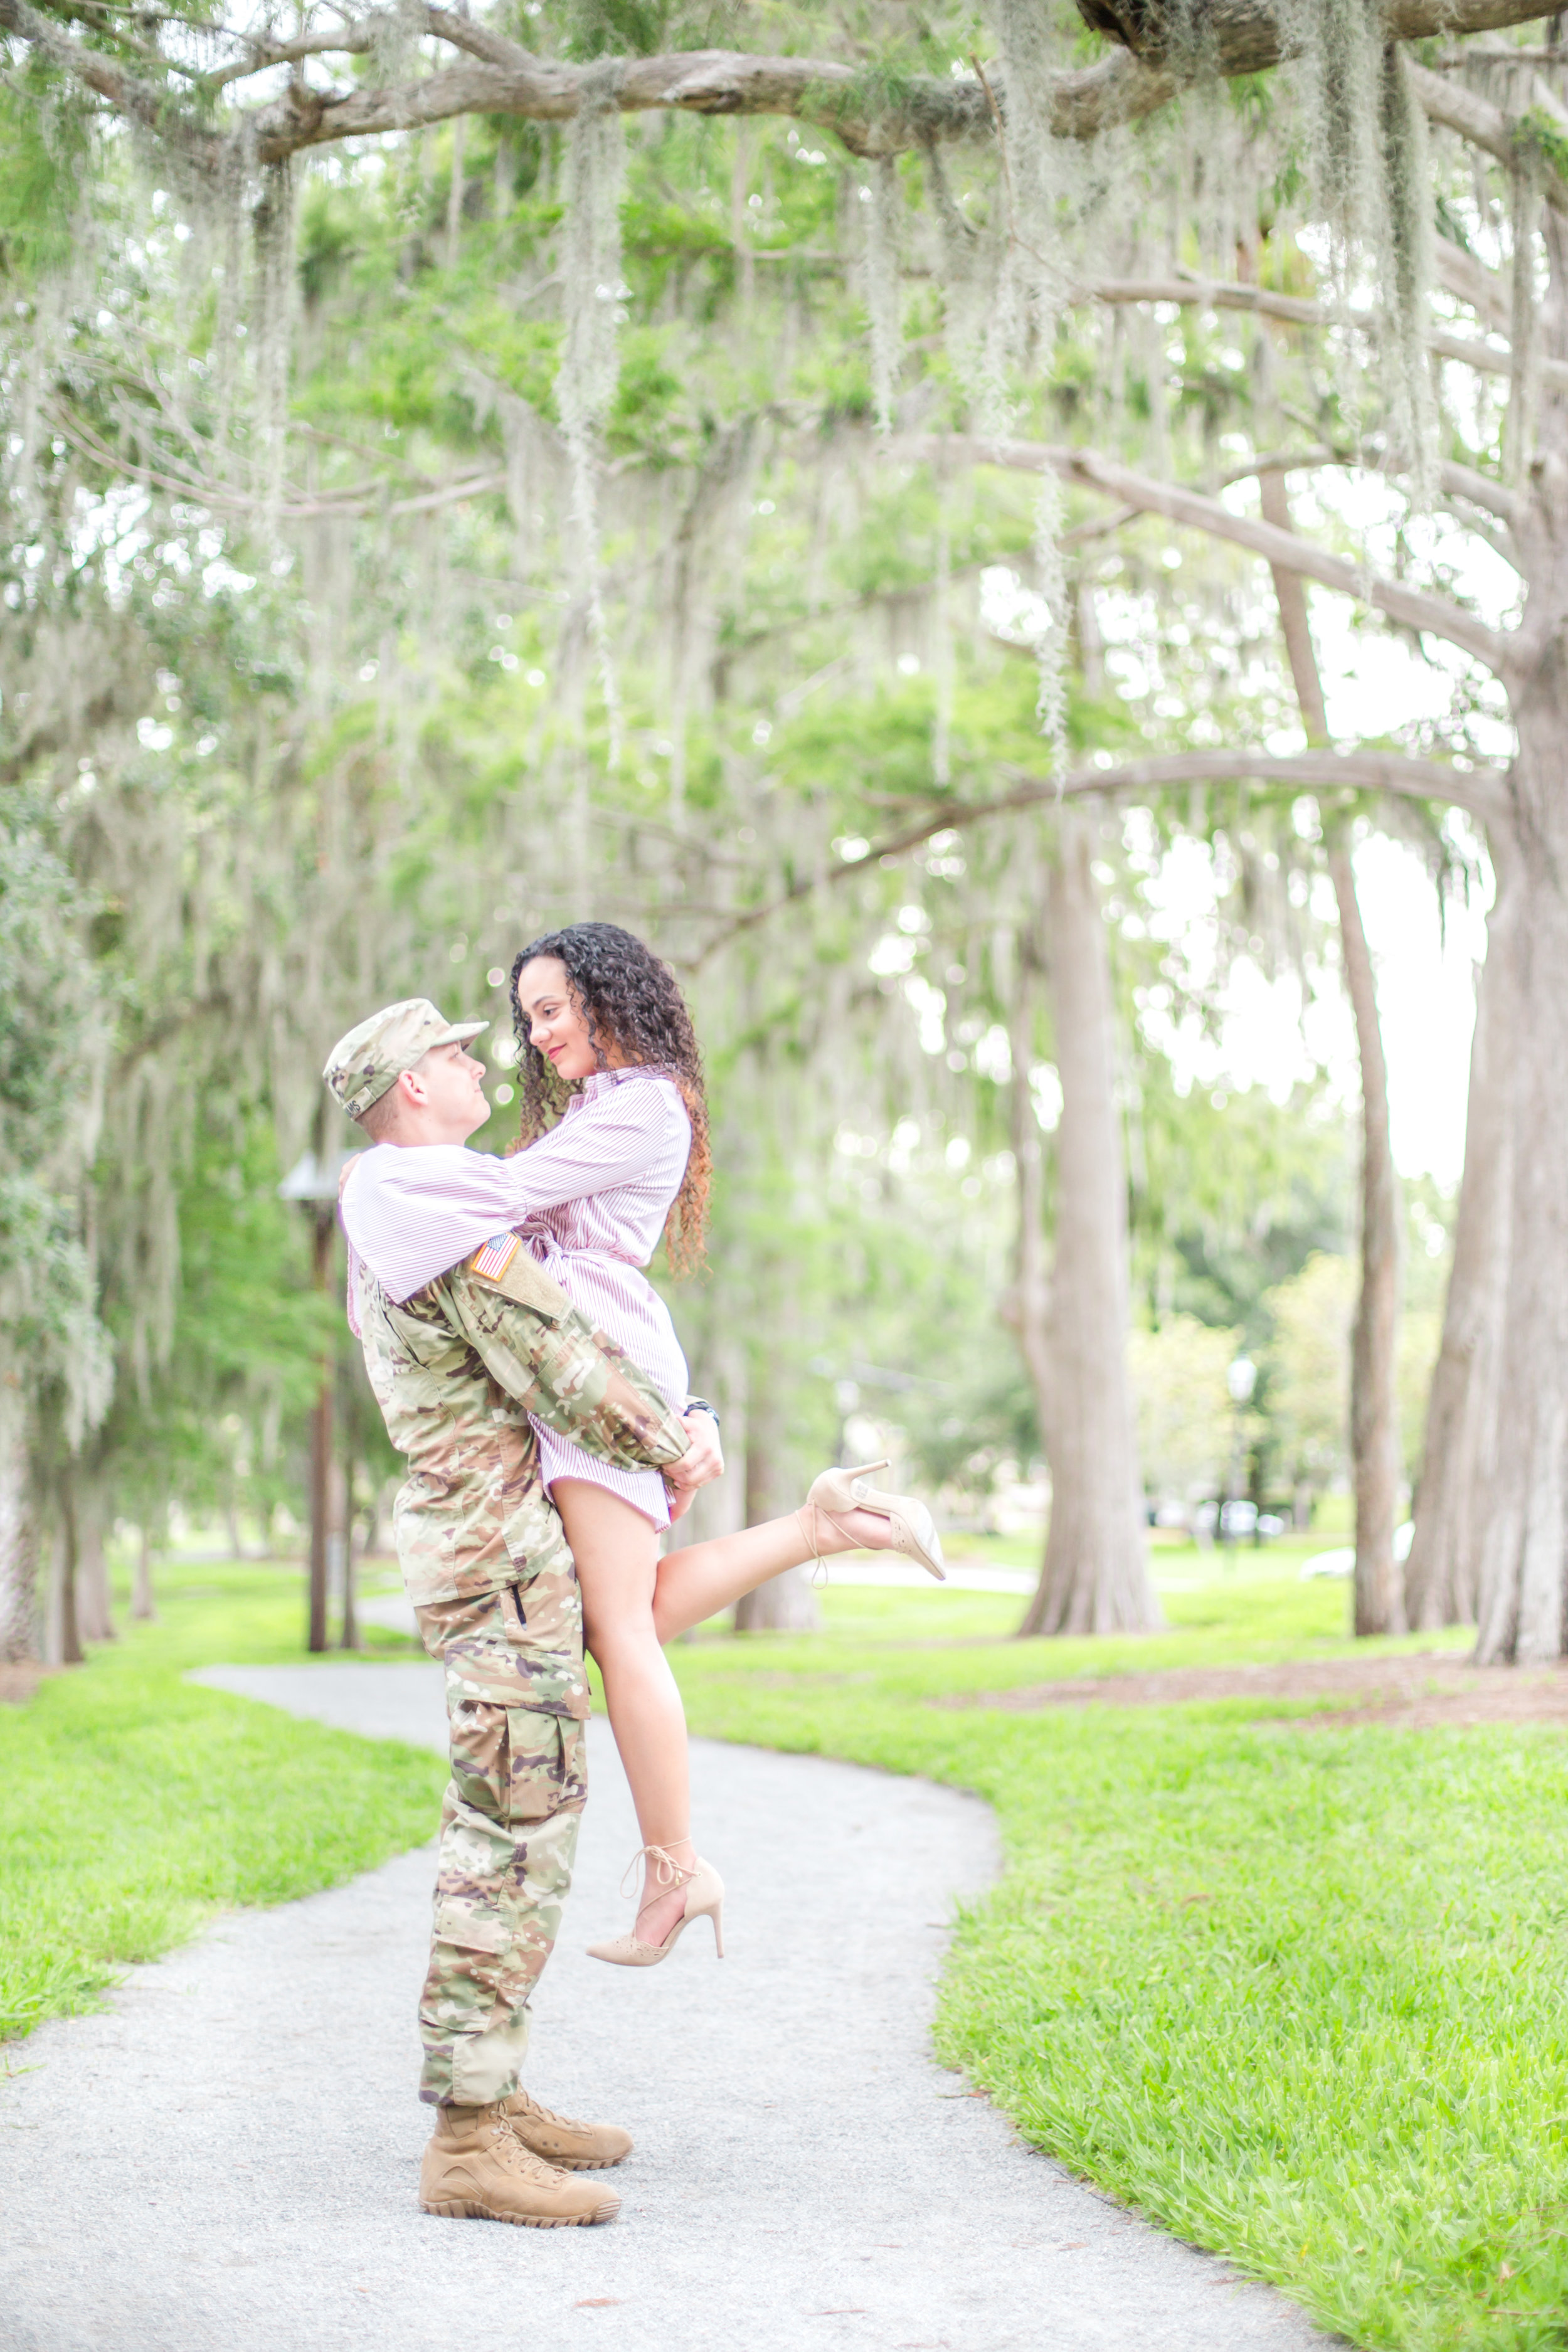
459	1356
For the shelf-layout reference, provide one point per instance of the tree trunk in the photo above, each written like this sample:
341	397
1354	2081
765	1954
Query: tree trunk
18	1541
1027	1306
455	195
320	1453
1095	1578
1290	593
786	1603
65	1634
1523	1534
374	1504
320	1504
719	1508
1441	1579
1374	1412
1375	1416
94	1616
1524	1538
343	1549
142	1602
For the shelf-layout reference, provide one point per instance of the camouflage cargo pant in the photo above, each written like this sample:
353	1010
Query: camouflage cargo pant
509	1832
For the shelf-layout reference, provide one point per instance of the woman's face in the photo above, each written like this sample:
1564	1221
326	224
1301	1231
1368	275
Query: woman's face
555	1027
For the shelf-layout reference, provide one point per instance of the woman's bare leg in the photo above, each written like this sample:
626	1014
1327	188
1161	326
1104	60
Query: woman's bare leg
702	1578
616	1552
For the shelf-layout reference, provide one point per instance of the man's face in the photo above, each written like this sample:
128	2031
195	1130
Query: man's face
449	1087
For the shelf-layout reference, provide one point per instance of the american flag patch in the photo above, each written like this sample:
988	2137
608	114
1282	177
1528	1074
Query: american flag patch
496	1256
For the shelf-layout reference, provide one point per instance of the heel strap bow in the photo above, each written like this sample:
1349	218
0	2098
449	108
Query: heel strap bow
668	1873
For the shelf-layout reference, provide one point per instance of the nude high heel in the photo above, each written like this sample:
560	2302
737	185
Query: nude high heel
704	1900
913	1529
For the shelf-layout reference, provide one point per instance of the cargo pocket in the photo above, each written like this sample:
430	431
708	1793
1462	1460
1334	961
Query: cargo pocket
467	1967
538	1763
471	1926
480	1743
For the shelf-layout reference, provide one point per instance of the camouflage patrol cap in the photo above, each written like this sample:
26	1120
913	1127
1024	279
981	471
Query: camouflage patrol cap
363	1066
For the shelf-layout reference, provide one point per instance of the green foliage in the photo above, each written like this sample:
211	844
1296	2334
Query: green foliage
1186	1419
597	28
45	993
1309	1371
1233	1193
51	1343
44	136
353	747
223	1424
1541	133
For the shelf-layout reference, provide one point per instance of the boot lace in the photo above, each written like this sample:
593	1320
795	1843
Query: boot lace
511	2151
541	2113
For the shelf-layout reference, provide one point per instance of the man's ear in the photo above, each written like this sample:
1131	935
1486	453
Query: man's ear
412	1087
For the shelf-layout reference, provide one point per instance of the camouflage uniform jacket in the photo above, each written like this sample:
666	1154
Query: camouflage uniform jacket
456	1369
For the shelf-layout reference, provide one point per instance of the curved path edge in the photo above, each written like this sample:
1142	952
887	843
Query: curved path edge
227	2156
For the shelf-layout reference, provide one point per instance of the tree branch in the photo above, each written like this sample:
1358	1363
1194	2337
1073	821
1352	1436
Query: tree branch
354	40
347	504
870	118
1218	294
479	40
1286	461
1470	281
155	107
1459	482
1482	792
1208	293
1492	497
1461	109
1409	607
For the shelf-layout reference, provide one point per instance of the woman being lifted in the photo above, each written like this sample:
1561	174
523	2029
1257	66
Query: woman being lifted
615	1152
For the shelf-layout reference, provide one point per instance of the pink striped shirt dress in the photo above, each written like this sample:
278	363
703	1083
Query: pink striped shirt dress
624	1143
590	1200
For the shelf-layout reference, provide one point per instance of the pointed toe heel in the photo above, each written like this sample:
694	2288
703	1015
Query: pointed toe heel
704	1900
910	1525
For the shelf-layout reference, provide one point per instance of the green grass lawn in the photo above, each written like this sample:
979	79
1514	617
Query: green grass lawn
132	1805
1298	1994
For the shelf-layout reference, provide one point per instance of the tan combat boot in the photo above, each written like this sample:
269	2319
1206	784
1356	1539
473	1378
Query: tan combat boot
477	2169
563	2141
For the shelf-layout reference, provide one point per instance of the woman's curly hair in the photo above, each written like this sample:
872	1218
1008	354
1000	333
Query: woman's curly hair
634	1008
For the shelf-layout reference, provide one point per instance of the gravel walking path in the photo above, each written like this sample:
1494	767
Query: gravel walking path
225	2160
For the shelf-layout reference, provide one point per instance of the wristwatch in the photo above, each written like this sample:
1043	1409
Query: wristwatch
701	1405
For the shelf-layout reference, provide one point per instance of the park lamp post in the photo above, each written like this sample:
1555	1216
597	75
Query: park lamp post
313	1184
1241	1378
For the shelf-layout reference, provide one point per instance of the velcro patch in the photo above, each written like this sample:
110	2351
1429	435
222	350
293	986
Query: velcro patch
497	1255
520	1277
